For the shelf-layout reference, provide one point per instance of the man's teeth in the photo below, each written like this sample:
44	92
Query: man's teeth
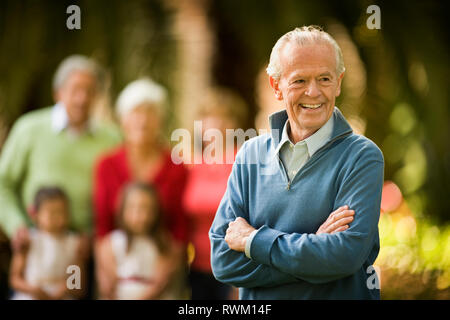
311	106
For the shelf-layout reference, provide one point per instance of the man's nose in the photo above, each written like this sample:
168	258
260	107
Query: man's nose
83	96
312	90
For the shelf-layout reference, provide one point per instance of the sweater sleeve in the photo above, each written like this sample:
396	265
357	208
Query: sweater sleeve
13	168
230	266
328	257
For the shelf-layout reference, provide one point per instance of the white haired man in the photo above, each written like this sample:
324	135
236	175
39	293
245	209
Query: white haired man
273	235
55	146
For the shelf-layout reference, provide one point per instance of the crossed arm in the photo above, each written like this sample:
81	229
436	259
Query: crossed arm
336	250
239	230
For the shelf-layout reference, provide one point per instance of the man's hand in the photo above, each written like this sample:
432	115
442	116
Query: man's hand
237	234
337	221
21	240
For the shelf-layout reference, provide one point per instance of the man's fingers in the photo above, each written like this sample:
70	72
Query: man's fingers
340	215
343	228
232	223
345	213
241	220
238	219
334	216
341	222
337	220
336	212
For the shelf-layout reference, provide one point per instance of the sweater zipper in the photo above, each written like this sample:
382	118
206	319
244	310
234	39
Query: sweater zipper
288	186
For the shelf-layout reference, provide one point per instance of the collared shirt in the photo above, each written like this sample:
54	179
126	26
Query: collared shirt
35	151
60	120
294	156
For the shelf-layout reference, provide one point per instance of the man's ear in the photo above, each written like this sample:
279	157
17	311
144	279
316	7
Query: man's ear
338	89
56	95
276	89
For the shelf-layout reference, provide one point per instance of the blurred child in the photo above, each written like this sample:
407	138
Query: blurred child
39	269
138	258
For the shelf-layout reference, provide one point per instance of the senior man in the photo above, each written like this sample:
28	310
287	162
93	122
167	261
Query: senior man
56	145
273	235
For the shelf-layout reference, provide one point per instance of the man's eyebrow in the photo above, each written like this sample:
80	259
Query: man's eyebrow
298	75
325	74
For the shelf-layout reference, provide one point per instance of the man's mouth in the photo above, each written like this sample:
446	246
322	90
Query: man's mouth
311	106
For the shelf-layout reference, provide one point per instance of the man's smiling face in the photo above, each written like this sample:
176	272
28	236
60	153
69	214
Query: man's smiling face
308	86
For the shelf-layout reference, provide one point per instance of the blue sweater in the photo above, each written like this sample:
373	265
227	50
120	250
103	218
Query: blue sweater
289	261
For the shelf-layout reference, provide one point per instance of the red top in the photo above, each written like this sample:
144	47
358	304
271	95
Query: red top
112	173
205	188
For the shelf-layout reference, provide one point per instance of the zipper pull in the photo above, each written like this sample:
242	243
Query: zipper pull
288	185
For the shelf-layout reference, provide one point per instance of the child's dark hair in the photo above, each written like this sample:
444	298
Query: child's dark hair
48	193
157	230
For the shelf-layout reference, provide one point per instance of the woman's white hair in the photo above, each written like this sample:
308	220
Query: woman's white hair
141	92
75	63
305	35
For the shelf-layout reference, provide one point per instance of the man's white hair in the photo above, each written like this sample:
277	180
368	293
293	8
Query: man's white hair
75	63
141	92
305	35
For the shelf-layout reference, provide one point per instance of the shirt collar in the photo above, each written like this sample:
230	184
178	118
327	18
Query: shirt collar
313	142
60	119
320	137
284	137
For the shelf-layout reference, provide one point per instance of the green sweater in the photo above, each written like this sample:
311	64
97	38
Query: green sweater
36	155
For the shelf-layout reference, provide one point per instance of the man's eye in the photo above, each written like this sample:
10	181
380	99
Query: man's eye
325	79
299	81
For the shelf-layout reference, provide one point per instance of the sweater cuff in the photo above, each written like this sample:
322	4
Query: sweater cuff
261	244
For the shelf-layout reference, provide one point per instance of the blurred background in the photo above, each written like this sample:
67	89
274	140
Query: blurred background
395	90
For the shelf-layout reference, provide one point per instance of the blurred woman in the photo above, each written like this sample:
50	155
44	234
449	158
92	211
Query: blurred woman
220	109
143	157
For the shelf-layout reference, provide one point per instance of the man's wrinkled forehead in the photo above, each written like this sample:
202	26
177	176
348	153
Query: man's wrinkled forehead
315	55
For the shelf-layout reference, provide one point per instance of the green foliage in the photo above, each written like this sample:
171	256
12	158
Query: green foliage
413	249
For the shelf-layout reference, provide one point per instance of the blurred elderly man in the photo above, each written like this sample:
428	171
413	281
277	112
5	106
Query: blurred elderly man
273	235
55	146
